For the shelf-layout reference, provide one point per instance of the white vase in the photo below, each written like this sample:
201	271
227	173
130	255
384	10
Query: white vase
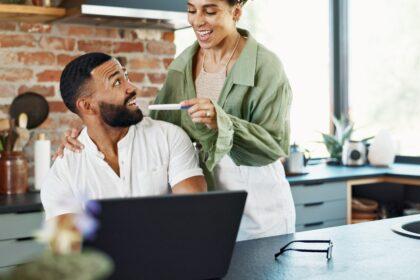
383	149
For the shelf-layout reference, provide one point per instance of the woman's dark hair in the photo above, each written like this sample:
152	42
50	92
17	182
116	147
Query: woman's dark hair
234	2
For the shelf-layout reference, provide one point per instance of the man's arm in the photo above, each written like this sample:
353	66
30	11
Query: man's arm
194	184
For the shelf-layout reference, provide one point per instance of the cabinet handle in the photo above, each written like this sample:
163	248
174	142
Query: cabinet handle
313	204
23	239
313	224
309	184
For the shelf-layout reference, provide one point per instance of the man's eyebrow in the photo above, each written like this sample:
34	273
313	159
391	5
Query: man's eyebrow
114	74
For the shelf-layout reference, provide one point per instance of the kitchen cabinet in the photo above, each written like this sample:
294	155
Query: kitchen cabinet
320	205
17	244
28	13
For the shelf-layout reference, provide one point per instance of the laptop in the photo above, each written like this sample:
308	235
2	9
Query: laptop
171	236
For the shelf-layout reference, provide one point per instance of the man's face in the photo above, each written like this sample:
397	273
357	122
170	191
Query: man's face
115	95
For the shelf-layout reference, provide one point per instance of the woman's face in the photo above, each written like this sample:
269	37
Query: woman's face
212	20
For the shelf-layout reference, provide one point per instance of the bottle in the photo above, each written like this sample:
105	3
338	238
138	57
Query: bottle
42	159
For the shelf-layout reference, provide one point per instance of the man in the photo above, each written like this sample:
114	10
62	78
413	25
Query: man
125	154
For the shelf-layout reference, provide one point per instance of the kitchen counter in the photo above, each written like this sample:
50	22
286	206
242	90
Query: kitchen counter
322	173
317	174
363	251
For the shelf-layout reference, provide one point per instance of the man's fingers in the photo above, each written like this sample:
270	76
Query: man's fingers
189	102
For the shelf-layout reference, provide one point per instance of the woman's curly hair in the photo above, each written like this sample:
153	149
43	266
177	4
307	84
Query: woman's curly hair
234	2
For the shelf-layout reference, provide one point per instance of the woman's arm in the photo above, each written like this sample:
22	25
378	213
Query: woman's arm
257	142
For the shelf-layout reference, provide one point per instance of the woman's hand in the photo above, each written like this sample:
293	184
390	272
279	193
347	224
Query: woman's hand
202	111
70	142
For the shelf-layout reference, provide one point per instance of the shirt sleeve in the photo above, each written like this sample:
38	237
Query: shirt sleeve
183	160
256	142
56	193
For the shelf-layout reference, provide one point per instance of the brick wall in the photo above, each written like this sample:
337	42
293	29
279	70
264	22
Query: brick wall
33	55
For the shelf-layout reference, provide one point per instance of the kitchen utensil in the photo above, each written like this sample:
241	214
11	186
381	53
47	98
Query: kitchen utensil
4	124
354	153
33	105
13	173
11	136
168	107
23	133
297	160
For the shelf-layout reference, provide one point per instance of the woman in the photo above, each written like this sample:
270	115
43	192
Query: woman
240	99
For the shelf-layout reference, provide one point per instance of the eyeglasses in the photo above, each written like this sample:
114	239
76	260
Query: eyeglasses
328	251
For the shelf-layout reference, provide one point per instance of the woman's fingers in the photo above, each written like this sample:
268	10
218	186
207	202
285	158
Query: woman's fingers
59	152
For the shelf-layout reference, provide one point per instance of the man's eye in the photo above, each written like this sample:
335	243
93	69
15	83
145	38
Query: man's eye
117	83
126	76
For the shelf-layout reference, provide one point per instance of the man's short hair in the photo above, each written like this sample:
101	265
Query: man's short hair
76	74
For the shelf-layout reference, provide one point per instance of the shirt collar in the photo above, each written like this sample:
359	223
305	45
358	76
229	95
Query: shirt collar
91	147
243	72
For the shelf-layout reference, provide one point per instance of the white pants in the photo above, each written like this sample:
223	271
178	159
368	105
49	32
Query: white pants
269	209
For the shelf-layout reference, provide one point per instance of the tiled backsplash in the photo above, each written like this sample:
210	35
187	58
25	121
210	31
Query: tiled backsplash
33	55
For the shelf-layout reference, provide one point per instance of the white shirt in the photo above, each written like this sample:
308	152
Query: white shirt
152	155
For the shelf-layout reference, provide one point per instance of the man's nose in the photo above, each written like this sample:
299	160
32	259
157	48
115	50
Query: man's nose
130	88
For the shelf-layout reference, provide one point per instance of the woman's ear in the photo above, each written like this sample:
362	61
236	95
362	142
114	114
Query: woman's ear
237	12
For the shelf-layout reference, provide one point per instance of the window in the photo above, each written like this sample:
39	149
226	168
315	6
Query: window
384	70
298	32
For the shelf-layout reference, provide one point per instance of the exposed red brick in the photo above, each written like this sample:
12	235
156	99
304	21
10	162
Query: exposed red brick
64	59
168	36
49	76
167	62
94	46
57	106
128	47
113	33
147	92
35	27
57	43
15	75
7	91
46	91
49	123
144	63
13	41
157	47
79	31
7	26
69	120
136	77
36	58
156	78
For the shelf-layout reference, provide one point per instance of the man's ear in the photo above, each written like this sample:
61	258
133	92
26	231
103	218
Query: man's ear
85	106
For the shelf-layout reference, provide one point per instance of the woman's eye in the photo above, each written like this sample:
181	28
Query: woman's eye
191	11
211	13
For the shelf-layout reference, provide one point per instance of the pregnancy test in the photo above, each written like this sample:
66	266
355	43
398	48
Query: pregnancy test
168	107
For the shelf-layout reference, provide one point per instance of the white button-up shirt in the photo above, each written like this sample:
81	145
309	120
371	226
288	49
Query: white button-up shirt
153	157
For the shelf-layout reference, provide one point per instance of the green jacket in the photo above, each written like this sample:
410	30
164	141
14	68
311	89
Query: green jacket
252	110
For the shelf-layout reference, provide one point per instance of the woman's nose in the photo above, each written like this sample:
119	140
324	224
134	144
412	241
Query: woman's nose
199	19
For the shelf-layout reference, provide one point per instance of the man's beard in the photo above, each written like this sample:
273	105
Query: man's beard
119	115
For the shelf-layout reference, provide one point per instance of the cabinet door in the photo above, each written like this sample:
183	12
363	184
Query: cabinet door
13	252
13	226
319	192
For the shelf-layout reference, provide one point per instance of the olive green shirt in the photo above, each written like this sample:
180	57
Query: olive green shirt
252	110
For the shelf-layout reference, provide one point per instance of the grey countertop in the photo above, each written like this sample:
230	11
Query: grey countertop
363	251
317	174
322	173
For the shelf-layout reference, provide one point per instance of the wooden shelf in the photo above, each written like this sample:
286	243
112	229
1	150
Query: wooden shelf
29	13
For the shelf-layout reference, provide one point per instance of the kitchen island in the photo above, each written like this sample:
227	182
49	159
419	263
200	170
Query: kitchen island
362	251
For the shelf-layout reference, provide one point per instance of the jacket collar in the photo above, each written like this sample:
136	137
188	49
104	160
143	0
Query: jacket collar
242	73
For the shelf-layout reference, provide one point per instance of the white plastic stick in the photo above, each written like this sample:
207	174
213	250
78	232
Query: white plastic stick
168	107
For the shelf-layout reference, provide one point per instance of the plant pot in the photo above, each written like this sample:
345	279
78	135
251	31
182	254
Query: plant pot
13	173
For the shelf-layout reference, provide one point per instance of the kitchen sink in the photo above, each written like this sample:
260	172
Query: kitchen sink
410	229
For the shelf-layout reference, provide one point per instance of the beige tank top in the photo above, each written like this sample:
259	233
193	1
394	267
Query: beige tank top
210	85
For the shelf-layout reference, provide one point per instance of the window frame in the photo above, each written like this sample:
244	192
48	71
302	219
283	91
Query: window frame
339	71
